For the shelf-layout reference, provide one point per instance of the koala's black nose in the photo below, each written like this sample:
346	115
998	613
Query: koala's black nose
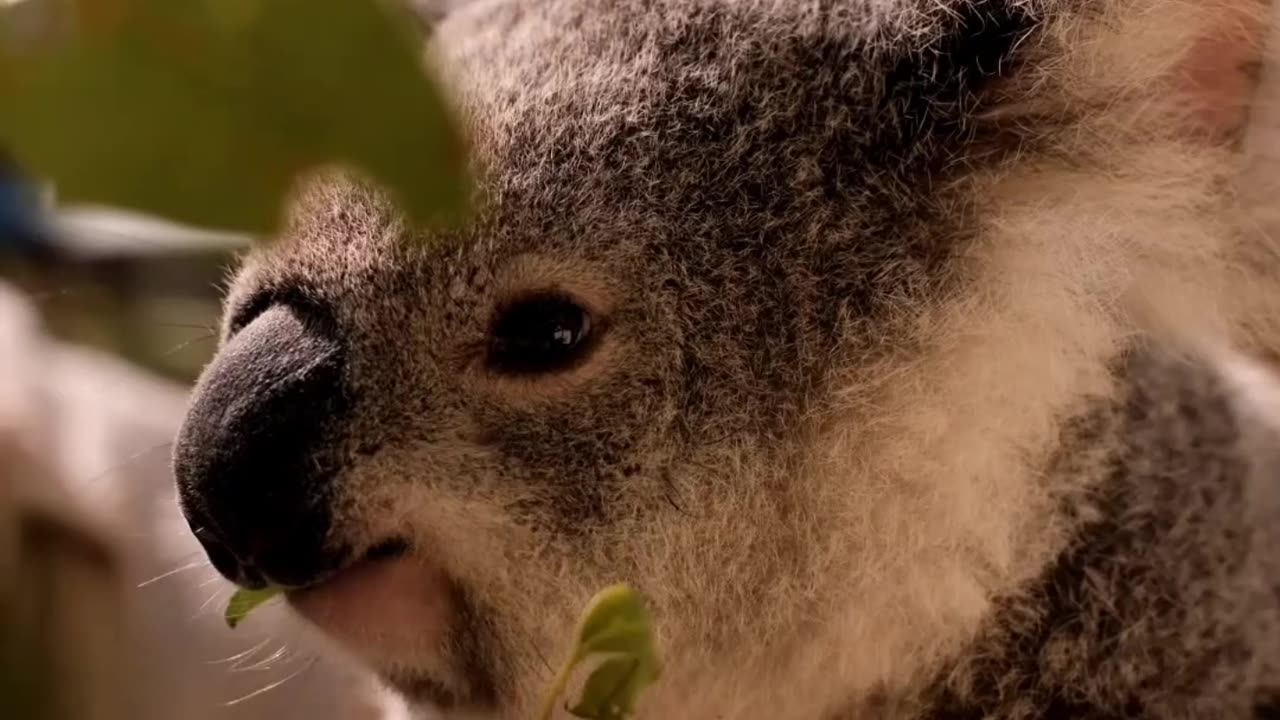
254	473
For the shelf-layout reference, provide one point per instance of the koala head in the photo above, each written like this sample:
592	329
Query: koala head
770	309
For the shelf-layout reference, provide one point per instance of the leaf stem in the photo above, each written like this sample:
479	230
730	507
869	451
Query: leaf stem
557	689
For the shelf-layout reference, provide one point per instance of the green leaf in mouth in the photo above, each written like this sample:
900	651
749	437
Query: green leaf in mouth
615	627
244	601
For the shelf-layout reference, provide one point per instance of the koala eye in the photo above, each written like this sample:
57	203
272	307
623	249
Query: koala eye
539	334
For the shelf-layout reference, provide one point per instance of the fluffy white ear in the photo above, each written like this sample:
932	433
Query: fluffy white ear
1179	68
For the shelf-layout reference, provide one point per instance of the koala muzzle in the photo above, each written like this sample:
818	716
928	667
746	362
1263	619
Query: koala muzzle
254	472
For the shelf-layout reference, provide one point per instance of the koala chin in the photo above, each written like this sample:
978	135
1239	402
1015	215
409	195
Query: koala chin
909	356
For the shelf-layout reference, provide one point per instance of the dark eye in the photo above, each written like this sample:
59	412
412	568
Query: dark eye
539	334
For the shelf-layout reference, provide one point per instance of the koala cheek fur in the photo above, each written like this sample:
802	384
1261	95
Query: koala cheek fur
924	385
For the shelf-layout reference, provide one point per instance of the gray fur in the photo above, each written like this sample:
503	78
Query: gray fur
1165	603
888	419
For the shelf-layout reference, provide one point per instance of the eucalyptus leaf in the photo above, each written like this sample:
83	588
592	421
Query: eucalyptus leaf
244	602
616	621
616	627
611	690
206	112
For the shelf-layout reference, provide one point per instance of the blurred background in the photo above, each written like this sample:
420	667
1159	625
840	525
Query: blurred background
108	609
105	320
137	287
142	289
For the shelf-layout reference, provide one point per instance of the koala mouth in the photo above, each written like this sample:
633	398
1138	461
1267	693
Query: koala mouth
380	553
385	605
385	550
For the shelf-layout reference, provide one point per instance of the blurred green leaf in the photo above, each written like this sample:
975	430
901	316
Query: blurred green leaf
616	627
616	621
611	690
206	111
244	601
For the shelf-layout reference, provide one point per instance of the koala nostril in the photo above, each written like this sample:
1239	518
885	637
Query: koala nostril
219	555
226	563
252	461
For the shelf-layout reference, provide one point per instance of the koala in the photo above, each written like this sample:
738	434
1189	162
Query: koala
908	356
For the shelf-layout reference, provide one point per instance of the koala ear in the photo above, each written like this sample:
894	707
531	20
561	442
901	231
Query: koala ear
1134	67
1219	72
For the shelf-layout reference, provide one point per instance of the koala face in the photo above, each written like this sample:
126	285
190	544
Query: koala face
767	309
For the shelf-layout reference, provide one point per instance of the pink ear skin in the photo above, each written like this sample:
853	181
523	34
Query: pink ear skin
1219	75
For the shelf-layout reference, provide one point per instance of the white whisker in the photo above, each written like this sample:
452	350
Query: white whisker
240	655
129	460
175	571
273	685
184	345
263	664
205	605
